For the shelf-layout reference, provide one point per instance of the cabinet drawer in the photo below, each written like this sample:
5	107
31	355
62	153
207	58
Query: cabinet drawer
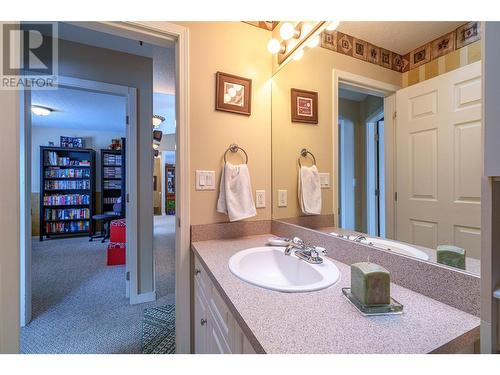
201	276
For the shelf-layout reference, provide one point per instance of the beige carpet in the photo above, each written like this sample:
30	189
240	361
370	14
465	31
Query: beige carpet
79	303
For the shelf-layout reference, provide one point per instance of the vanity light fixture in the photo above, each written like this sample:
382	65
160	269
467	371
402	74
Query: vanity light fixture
314	42
274	46
41	111
288	31
298	55
332	25
157	120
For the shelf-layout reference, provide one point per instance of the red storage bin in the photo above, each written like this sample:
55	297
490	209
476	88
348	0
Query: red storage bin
116	253
117	230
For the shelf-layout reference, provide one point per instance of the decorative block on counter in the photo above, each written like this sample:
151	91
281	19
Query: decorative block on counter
370	284
452	256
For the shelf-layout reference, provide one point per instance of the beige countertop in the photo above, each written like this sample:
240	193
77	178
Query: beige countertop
324	321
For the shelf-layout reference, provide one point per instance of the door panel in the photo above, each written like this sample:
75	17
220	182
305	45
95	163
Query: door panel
438	173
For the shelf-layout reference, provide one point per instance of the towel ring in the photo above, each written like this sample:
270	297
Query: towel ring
303	154
235	148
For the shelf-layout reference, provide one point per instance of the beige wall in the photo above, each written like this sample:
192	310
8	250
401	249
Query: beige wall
240	49
313	72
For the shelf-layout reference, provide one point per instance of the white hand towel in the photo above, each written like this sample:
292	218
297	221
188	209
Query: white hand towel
309	190
235	193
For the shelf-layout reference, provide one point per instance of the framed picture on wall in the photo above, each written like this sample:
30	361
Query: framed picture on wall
233	94
304	106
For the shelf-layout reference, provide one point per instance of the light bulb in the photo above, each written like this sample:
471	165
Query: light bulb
314	42
273	46
287	31
306	28
332	25
155	146
298	55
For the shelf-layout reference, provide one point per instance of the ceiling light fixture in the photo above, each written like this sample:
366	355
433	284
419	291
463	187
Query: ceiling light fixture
288	31
41	111
332	25
157	120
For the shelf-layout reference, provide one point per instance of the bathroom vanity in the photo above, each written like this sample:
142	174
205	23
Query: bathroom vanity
233	316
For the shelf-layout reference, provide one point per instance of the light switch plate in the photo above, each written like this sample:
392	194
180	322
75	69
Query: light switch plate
282	198
324	180
205	180
260	198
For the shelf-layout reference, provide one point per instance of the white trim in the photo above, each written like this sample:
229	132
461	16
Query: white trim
143	298
25	252
367	85
25	207
390	165
156	32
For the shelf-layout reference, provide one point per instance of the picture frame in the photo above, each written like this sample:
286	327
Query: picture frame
304	106
71	142
233	93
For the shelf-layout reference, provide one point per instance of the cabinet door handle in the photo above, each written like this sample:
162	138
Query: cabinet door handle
196	271
203	322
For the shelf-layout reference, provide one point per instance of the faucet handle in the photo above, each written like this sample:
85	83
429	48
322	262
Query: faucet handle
320	250
298	241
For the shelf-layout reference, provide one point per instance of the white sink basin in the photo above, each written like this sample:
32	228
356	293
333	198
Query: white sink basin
397	247
269	268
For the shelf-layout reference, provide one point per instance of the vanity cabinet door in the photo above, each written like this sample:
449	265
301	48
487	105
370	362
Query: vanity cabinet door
200	321
215	329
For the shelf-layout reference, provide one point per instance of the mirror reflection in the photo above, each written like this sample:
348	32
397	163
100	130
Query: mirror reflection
362	153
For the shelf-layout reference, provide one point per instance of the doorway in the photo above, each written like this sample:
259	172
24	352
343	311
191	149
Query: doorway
360	158
137	288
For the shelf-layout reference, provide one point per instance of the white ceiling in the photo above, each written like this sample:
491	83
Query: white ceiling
80	109
399	37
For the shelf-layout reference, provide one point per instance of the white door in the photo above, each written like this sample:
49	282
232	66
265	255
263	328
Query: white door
438	173
347	175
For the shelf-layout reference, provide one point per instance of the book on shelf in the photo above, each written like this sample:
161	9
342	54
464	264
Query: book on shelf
112	172
67	227
112	184
56	172
112	159
66	199
53	159
67	213
67	185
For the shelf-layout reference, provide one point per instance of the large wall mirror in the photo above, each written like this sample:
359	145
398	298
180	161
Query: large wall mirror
386	162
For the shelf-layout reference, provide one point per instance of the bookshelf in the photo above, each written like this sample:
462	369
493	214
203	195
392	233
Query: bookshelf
112	179
170	186
67	191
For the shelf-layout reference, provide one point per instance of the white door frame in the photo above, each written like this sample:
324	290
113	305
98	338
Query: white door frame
372	87
156	33
129	93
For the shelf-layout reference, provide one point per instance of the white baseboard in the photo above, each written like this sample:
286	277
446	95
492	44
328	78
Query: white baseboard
142	298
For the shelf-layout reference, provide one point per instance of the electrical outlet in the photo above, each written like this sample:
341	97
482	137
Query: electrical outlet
282	198
260	198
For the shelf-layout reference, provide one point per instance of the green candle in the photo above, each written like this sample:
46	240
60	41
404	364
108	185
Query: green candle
370	284
452	256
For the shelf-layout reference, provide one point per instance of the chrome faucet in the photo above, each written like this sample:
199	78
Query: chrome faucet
359	238
310	254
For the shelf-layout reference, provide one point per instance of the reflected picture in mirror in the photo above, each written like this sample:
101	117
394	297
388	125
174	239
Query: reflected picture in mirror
402	159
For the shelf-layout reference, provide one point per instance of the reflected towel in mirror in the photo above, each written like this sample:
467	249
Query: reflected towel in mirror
235	193
309	190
